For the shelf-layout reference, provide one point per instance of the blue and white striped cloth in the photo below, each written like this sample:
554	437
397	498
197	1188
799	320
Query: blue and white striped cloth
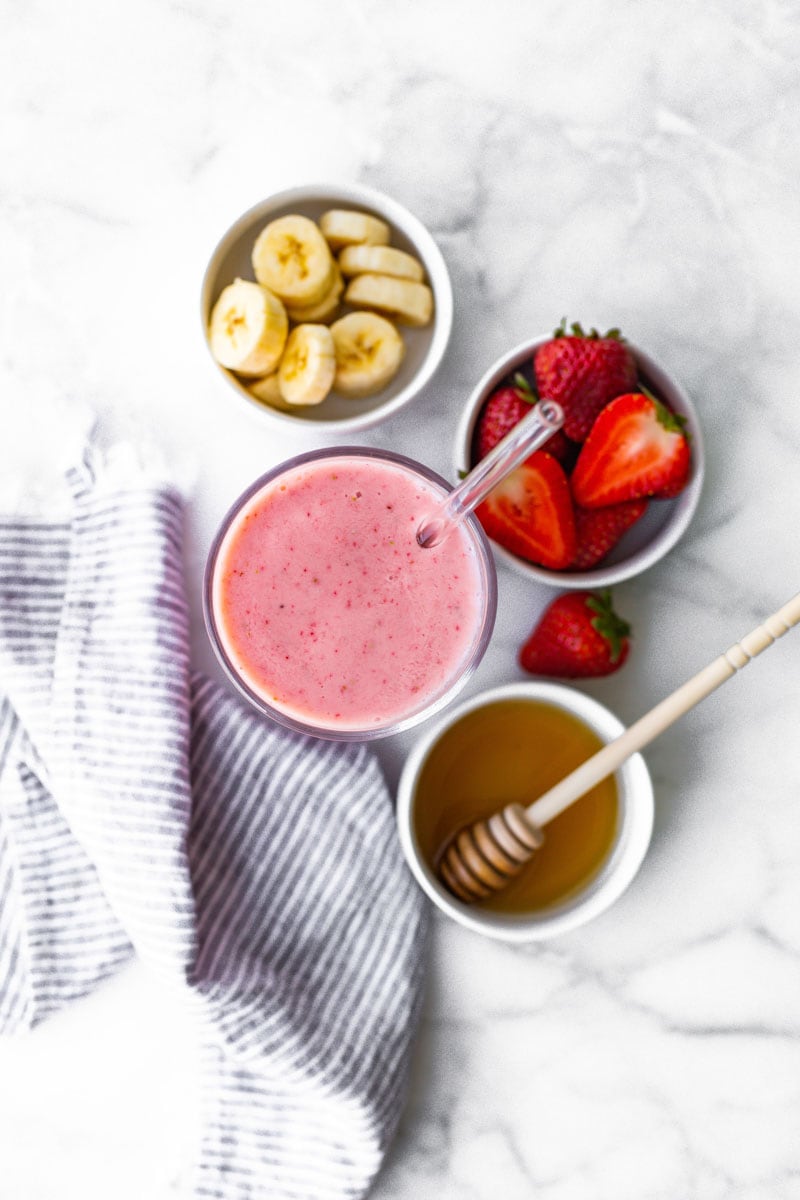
256	870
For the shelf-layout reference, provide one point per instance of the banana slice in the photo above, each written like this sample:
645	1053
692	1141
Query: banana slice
380	260
267	391
369	351
325	308
293	260
248	328
408	302
342	227
308	366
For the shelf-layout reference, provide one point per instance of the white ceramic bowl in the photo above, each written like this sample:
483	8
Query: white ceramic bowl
634	824
665	520
424	347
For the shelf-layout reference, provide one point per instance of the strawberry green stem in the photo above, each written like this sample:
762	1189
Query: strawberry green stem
610	626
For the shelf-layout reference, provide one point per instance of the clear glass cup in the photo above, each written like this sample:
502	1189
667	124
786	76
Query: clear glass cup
440	687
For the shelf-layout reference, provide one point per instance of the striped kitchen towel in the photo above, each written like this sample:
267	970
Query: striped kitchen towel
256	870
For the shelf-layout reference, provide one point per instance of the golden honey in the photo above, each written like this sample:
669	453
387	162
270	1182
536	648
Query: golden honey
513	751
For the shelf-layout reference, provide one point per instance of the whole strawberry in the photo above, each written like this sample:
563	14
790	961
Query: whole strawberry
583	372
579	636
599	529
504	409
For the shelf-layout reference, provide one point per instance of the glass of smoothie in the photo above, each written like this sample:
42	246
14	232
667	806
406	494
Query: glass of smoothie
324	610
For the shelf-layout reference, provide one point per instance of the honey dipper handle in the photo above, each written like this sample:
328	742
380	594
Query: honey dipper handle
648	727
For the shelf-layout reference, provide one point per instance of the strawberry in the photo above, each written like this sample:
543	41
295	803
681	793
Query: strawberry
637	448
504	409
582	372
578	636
530	513
599	529
561	448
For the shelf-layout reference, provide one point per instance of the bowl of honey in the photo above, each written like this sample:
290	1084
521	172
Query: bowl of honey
509	745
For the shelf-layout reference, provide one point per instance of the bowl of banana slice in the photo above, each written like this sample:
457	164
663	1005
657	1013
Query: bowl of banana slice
329	304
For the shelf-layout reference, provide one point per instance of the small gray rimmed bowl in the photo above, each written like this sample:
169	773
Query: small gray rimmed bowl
425	347
662	525
625	856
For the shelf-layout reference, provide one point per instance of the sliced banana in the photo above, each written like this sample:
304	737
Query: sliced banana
408	302
325	308
267	391
248	328
369	351
380	260
293	260
308	366
343	227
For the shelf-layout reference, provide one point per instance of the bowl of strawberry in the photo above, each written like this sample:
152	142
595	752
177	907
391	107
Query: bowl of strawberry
612	492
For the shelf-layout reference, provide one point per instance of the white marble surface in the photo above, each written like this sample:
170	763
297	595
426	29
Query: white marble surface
631	164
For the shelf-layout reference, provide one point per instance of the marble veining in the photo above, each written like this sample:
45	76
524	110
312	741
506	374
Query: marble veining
630	164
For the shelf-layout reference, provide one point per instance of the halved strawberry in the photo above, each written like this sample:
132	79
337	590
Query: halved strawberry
504	409
636	448
599	529
530	513
583	372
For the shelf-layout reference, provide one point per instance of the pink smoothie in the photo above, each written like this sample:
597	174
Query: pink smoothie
329	610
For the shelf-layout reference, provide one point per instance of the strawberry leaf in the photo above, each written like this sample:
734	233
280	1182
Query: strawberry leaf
608	624
524	389
671	421
577	330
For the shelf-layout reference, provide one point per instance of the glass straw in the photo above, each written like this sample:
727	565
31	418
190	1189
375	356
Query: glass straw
544	419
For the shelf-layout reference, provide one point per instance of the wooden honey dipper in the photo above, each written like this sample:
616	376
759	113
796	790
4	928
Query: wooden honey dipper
485	856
